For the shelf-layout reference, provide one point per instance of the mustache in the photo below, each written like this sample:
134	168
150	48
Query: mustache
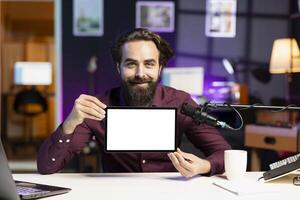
138	80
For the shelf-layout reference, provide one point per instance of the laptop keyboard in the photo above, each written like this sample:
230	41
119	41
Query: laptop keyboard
27	190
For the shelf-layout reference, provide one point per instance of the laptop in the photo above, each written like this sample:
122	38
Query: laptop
16	190
140	129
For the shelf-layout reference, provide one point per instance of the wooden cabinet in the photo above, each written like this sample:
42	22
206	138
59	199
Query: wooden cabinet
26	34
271	138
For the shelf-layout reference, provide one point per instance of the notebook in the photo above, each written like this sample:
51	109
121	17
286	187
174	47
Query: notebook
16	190
140	129
282	168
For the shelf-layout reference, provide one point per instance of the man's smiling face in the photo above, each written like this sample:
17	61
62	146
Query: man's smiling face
140	71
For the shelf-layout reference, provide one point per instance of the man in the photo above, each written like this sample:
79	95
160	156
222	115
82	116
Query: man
140	55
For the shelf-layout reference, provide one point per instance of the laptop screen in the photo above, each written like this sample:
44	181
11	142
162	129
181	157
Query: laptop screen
23	190
140	129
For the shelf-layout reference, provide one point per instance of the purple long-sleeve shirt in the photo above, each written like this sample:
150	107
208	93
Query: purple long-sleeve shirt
59	148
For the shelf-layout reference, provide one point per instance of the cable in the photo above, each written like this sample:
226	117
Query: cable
211	106
240	116
207	105
251	106
260	178
283	109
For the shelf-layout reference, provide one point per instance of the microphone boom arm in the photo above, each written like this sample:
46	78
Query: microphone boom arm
200	115
254	106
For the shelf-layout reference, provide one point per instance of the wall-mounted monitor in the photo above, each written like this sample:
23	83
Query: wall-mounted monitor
157	16
32	73
188	79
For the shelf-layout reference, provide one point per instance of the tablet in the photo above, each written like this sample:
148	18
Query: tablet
140	129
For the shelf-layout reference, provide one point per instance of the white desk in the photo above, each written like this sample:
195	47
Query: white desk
152	186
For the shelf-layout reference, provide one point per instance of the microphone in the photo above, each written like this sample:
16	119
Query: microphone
202	117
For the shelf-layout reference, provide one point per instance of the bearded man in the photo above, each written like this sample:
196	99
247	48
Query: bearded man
140	56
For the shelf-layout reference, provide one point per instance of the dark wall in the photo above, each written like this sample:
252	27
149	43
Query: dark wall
258	24
119	16
295	31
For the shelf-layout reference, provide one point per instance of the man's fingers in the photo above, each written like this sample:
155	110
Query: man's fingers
90	104
176	164
87	106
87	116
94	100
187	156
183	163
88	111
95	103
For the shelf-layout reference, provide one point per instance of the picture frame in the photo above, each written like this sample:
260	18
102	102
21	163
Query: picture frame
88	18
220	19
157	16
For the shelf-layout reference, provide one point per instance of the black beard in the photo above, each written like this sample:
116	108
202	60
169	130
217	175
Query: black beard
138	96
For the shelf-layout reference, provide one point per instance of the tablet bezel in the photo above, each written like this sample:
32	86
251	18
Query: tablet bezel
140	108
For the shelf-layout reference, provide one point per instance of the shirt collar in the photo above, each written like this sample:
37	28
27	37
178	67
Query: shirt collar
156	102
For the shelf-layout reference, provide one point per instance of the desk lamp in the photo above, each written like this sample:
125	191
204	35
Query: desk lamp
285	59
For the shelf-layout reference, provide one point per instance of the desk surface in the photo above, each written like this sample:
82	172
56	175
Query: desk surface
144	186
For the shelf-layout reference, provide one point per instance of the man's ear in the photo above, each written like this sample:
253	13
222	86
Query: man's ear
160	68
118	68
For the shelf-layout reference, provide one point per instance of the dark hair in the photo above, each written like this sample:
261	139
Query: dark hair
165	51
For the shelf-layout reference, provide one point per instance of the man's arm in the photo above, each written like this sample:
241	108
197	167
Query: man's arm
71	136
190	165
59	148
209	140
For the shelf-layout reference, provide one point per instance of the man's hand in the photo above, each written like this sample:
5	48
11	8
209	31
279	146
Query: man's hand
188	164
85	106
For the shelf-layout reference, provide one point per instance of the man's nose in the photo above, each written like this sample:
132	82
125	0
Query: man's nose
140	71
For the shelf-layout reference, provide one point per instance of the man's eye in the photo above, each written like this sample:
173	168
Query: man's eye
150	65
130	65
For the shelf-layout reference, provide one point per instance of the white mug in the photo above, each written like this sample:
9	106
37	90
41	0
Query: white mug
235	164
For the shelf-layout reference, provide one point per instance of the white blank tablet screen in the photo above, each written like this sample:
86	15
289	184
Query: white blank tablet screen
140	129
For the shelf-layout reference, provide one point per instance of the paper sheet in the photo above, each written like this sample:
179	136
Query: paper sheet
247	187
